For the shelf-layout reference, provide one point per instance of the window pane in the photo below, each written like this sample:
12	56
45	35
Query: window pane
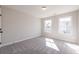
65	25
47	25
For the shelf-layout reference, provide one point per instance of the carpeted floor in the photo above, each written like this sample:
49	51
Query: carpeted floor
41	45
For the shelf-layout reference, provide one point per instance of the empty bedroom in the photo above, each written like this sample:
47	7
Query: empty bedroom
39	29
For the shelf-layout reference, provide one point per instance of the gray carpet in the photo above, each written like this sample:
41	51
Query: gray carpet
41	45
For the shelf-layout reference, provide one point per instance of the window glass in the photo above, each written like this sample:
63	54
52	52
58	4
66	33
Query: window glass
65	25
47	25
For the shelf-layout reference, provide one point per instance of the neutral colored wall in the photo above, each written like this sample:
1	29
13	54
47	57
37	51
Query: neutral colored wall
55	23
18	26
78	28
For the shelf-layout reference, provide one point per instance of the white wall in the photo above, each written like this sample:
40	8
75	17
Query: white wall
55	23
78	28
18	26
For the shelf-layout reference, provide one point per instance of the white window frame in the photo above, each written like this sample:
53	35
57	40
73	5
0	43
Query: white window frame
65	26
47	30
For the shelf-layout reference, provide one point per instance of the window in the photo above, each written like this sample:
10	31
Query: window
47	25
65	25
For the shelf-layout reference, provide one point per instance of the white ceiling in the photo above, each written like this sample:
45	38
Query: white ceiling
51	10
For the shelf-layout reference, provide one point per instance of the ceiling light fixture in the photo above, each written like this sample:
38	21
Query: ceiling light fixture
44	8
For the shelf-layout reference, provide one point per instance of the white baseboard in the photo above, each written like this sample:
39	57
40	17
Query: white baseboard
30	37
